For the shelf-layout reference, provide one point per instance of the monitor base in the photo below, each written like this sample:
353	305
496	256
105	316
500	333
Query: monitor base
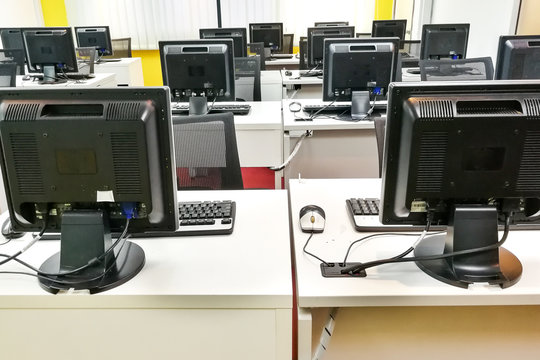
129	261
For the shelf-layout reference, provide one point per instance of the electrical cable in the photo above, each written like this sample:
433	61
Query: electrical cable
211	105
26	247
307	252
293	153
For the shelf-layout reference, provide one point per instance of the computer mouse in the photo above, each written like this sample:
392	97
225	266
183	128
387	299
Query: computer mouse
312	219
288	73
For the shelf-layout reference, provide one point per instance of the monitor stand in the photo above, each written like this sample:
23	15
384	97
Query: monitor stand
86	236
49	76
198	105
470	227
360	105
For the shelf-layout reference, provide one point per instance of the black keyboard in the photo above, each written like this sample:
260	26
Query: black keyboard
79	76
236	109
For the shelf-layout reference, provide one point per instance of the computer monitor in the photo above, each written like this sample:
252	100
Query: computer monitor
331	23
358	70
88	163
95	36
11	38
463	155
238	35
518	57
50	51
389	28
271	34
198	69
444	41
316	36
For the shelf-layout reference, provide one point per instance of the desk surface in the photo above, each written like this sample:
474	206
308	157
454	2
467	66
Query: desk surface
394	284
100	80
249	269
287	61
296	79
320	123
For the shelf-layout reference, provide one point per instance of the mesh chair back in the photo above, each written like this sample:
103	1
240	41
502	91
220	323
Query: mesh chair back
248	78
121	48
257	49
86	57
460	69
8	74
303	55
287	46
206	152
13	56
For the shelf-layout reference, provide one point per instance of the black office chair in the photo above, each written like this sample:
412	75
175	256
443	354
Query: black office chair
456	70
248	69
121	48
8	74
380	128
257	49
287	45
13	56
303	64
206	152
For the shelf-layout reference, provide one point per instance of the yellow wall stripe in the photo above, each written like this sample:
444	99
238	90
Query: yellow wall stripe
383	9
54	12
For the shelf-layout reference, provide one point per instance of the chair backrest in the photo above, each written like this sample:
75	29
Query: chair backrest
121	48
380	128
302	65
206	152
8	74
287	46
257	49
13	56
86	57
459	69
248	78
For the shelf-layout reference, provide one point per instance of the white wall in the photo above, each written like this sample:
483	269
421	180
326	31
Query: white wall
20	13
488	18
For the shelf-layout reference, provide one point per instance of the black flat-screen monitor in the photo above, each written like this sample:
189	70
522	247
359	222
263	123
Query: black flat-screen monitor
98	37
50	51
331	23
271	34
444	41
11	38
518	57
463	155
316	36
238	35
389	28
195	68
88	163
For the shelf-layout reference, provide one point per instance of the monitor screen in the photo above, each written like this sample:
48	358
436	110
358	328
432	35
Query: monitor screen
198	68
518	57
238	35
11	38
389	28
358	65
98	37
463	155
89	163
50	51
271	34
316	36
444	41
331	23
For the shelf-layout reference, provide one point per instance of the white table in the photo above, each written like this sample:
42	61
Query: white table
336	148
270	86
100	80
128	71
306	87
278	64
199	297
398	310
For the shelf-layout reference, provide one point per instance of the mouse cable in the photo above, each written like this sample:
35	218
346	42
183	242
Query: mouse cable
293	153
398	259
310	254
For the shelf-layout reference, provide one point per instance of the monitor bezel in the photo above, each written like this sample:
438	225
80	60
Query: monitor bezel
280	29
502	49
72	54
108	39
426	27
310	61
217	31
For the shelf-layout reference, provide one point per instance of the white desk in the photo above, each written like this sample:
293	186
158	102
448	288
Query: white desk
337	149
128	71
406	76
199	297
397	310
100	80
278	64
306	87
270	86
